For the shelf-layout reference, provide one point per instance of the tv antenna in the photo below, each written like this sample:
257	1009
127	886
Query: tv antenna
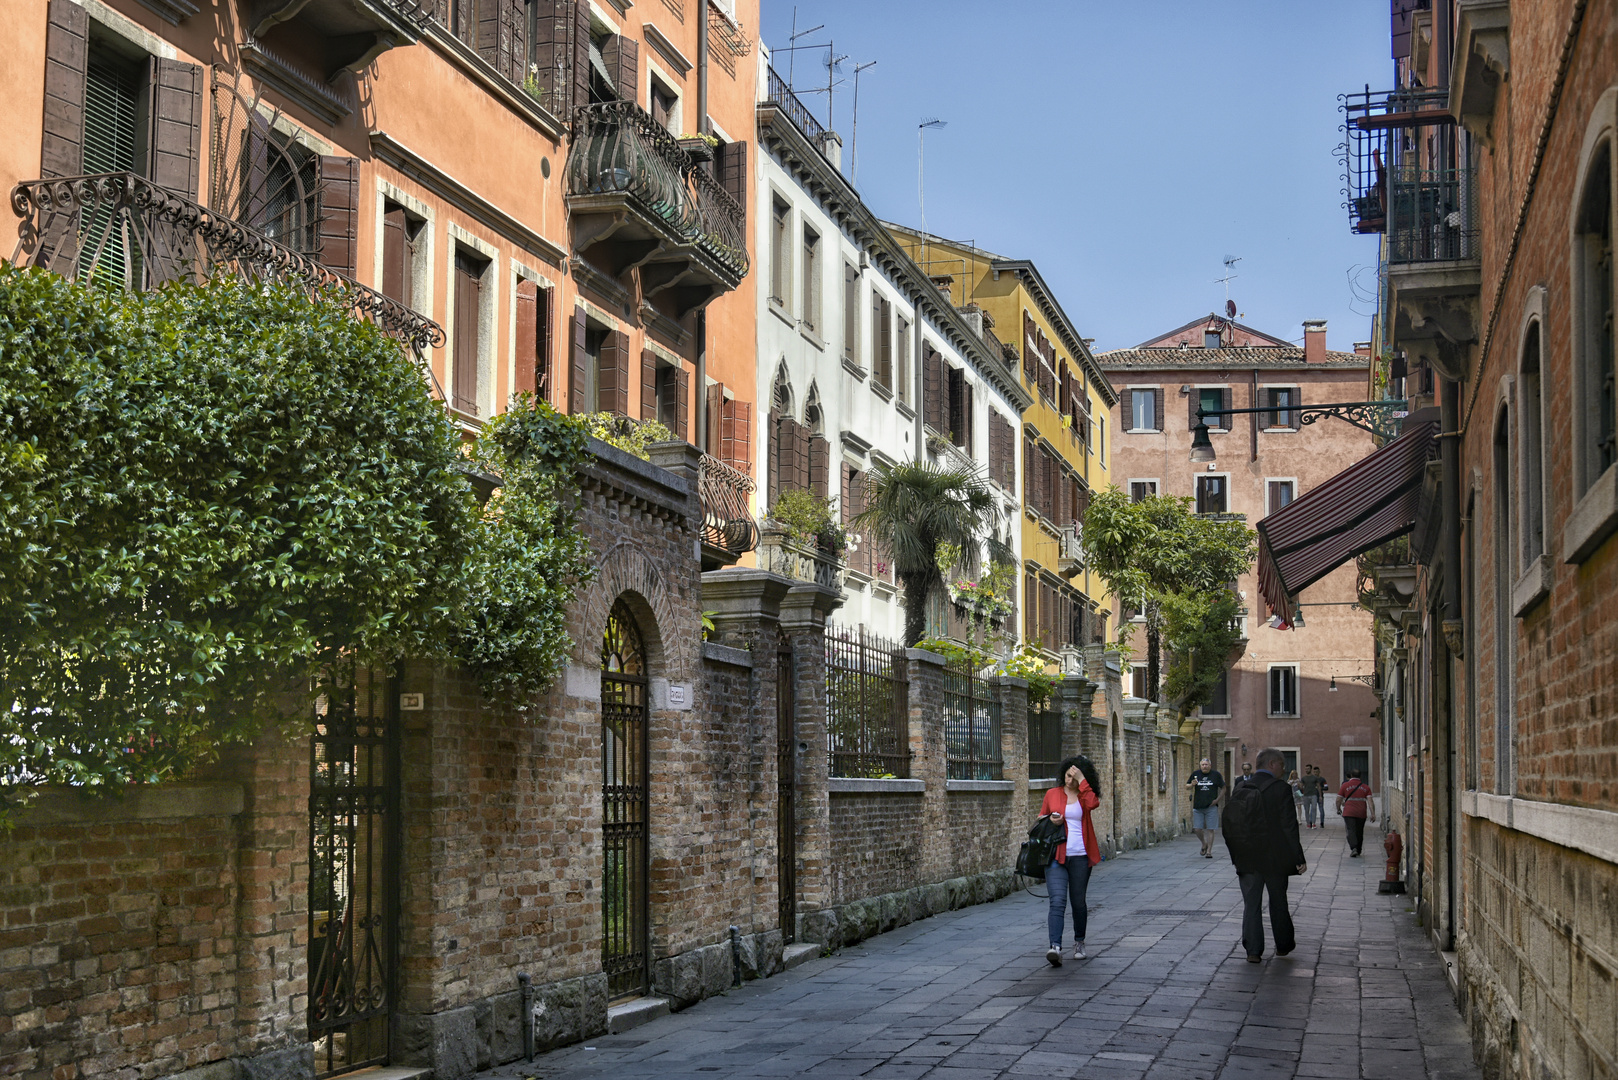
921	198
793	40
854	137
1230	266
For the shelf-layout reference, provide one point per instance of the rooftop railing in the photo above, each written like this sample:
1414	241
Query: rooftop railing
120	229
782	97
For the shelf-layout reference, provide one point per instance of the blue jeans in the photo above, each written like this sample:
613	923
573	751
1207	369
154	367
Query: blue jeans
1312	810
1064	881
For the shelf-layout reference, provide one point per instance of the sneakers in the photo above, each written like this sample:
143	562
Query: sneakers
1054	955
1251	959
1078	951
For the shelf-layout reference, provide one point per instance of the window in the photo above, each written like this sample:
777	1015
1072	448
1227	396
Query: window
1142	489
811	281
851	314
1144	409
1213	494
1530	442
882	337
1593	328
1278	493
531	372
1505	630
1210	400
404	253
1218	703
1101	439
780	275
669	409
1284	690
1289	757
1281	405
665	106
467	347
1137	681
1210	339
901	361
960	409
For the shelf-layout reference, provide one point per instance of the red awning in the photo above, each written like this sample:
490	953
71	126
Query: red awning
1367	504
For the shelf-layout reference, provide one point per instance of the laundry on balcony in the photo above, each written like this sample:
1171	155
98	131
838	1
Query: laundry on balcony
1367	504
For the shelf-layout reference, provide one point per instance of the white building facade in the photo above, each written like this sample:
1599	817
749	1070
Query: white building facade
855	347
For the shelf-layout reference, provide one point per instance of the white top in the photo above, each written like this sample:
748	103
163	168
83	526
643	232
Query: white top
1075	828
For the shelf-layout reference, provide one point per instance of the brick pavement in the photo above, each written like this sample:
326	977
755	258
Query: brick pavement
969	995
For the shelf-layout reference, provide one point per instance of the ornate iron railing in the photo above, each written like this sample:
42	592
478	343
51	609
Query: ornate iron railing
1372	144
727	523
1432	215
619	149
724	223
782	97
867	706
120	229
971	727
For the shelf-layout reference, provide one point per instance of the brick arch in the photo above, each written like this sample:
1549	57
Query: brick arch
627	572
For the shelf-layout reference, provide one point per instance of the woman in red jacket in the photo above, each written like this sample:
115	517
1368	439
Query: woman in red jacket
1068	876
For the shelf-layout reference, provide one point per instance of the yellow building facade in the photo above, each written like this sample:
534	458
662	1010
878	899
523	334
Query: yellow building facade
1063	452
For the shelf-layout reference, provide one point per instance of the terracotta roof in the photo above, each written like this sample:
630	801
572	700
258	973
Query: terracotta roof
1251	357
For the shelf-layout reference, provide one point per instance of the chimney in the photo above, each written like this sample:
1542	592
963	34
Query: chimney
1362	348
831	148
1314	341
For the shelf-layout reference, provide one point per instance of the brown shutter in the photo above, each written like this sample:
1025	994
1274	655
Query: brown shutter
682	404
820	466
67	48
525	379
1193	401
713	412
339	214
969	440
934	409
621	55
1030	627
648	385
1157	410
736	445
1030	366
579	370
1030	475
464	377
1297	407
772	455
613	395
580	75
553	51
784	454
1064	394
501	30
395	257
730	169
1227	421
801	441
845	494
174	132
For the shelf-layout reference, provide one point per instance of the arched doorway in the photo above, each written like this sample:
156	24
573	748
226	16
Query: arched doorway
625	951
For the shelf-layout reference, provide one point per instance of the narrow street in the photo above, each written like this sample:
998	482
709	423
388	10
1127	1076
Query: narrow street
1166	992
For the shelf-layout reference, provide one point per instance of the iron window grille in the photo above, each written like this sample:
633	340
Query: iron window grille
867	706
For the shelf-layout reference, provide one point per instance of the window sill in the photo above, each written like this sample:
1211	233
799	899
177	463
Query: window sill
780	312
1594	518
1143	431
1282	716
905	410
859	785
881	391
1580	828
1532	587
980	785
854	369
809	335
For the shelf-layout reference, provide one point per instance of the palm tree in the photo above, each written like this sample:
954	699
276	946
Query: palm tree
913	507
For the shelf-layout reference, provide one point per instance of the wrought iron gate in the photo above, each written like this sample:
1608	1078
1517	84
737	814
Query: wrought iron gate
786	798
625	949
353	898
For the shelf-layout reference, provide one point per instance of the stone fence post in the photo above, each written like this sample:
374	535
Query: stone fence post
803	628
928	756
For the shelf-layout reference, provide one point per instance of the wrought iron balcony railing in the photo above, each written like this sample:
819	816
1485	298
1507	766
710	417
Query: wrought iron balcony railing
121	230
727	523
724	228
1432	215
1371	145
782	97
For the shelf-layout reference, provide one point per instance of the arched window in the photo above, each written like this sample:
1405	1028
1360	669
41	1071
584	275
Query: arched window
781	397
812	417
1531	448
1505	637
622	651
1593	329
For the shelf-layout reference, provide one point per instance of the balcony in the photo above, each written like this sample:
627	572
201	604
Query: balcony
1070	550
728	528
1434	274
121	230
637	201
1368	119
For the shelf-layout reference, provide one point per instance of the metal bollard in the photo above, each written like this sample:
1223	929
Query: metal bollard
736	956
525	984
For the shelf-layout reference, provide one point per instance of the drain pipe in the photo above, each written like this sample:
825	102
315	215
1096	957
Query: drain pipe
525	987
735	956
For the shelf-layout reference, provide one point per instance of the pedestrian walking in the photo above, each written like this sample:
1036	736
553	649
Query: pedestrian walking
1354	804
1247	770
1261	834
1297	794
1067	879
1205	785
1314	792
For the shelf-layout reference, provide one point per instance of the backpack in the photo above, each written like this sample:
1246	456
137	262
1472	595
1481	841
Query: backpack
1040	848
1245	824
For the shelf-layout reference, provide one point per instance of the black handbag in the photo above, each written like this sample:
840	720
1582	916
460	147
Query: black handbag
1040	848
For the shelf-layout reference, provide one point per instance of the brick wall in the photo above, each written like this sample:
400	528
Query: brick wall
876	844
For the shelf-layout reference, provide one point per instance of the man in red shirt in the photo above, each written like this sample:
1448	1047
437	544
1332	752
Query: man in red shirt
1354	804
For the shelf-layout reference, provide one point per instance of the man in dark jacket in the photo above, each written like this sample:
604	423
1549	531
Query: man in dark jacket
1265	849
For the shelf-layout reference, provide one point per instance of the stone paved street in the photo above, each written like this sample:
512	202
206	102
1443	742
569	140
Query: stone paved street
1166	992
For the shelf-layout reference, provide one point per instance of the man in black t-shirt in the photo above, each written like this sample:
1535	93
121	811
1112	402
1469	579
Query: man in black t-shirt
1314	791
1205	785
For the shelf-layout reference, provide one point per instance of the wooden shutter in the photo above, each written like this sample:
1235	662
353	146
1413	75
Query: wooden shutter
954	423
578	379
648	385
502	30
735	446
174	126
996	450
339	213
968	441
525	378
1225	402
934	402
1030	368
395	258
1064	392
1296	413
544	337
1157	410
730	169
876	327
682	404
67	49
1030	628
613	395
1194	403
553	51
464	377
713	413
1030	475
820	466
621	55
846	496
580	53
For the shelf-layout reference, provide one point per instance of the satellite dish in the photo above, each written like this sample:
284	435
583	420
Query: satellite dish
1230	309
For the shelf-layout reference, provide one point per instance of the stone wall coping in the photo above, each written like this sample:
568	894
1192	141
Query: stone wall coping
1041	783
980	785
1010	680
925	657
1594	832
656	484
178	799
859	785
725	654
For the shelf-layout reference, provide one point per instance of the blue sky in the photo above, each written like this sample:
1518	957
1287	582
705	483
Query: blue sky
1126	147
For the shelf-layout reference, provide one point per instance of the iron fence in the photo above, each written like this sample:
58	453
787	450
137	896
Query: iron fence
971	727
782	97
867	705
1044	742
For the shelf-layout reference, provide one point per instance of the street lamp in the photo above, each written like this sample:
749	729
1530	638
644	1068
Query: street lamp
1377	417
